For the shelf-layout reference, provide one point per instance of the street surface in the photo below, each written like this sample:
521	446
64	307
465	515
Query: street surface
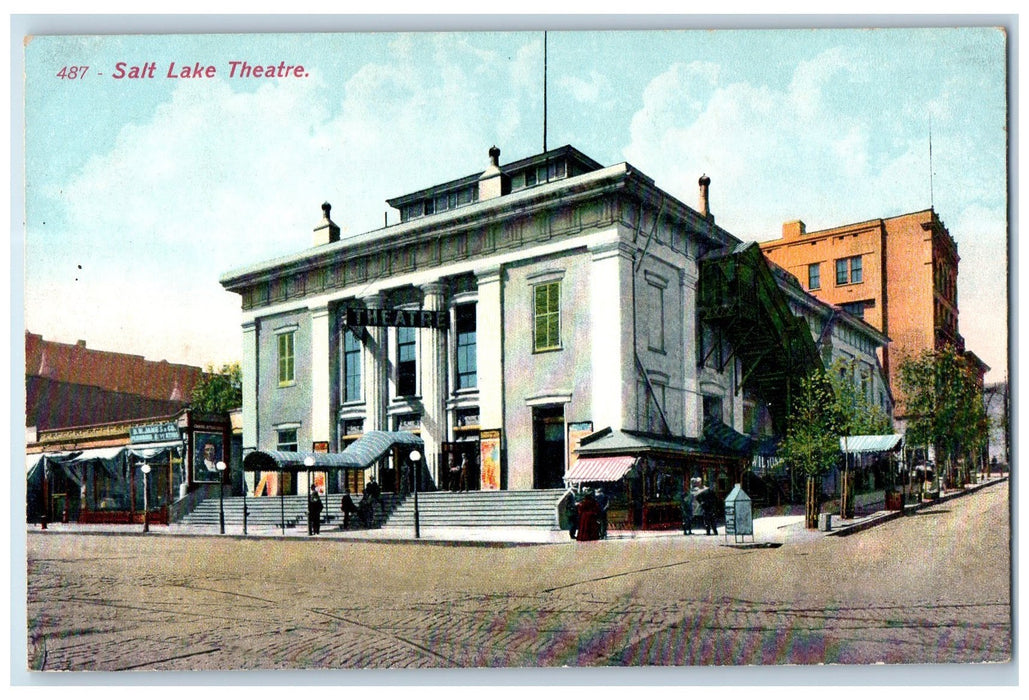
930	587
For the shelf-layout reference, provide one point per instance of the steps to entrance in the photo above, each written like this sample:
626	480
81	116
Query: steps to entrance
533	509
523	509
267	511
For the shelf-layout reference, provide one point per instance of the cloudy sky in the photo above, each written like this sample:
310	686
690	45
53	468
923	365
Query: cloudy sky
141	192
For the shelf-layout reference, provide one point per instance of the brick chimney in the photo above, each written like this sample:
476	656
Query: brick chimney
705	202
793	229
326	231
493	183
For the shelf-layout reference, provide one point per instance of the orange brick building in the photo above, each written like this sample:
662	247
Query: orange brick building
898	274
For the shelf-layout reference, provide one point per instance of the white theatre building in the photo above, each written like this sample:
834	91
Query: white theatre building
509	314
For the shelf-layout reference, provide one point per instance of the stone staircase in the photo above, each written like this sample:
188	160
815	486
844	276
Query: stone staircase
522	509
266	511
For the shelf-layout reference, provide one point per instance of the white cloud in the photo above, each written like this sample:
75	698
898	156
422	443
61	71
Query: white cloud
804	152
583	90
217	179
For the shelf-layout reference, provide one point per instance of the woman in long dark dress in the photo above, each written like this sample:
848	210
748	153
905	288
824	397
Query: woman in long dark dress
589	519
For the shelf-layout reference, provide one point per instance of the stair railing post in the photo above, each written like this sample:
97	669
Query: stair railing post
415	457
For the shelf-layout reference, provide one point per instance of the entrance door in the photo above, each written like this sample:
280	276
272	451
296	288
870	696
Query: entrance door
548	441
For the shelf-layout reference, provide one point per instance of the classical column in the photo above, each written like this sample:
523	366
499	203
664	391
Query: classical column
376	361
613	376
432	364
321	420
489	344
248	367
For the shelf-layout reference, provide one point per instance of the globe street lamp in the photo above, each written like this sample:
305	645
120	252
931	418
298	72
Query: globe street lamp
415	457
146	499
221	496
309	462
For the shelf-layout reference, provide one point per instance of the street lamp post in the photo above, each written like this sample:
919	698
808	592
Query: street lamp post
309	462
146	497
221	496
415	458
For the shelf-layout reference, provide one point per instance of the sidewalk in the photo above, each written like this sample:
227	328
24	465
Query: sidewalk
771	528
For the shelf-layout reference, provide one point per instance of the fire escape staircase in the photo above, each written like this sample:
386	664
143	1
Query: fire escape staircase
739	297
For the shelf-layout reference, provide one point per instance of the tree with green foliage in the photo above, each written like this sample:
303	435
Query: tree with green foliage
858	416
812	442
945	409
221	391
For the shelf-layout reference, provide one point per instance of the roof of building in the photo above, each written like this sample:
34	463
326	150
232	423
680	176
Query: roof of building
521	202
72	385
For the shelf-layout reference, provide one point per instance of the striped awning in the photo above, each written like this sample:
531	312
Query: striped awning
373	446
587	469
273	460
854	444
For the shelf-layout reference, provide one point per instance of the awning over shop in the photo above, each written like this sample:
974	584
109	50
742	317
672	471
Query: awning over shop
373	445
150	450
104	453
273	460
589	469
854	444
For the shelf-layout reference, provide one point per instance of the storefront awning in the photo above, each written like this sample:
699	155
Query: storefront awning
149	450
104	453
587	469
854	444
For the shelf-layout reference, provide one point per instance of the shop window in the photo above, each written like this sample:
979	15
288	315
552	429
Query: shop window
351	366
814	276
287	373
407	362
547	317
466	367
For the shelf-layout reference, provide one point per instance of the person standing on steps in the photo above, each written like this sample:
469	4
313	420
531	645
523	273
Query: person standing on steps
348	507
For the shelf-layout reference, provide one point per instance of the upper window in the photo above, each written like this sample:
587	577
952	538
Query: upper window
407	362
656	329
351	366
814	276
287	374
465	362
287	440
547	317
848	270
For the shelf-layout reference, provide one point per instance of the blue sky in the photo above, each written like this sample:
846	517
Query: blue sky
141	193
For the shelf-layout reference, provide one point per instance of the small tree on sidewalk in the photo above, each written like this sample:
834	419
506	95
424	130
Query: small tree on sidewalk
812	442
945	408
857	415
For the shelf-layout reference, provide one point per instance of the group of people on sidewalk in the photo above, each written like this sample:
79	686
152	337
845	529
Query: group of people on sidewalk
363	511
695	495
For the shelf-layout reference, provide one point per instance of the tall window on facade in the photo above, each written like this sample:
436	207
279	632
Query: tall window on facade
465	361
351	366
656	331
848	270
814	276
286	358
407	362
287	440
547	312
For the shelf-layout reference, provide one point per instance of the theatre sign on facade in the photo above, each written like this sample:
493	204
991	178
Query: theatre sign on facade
510	314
